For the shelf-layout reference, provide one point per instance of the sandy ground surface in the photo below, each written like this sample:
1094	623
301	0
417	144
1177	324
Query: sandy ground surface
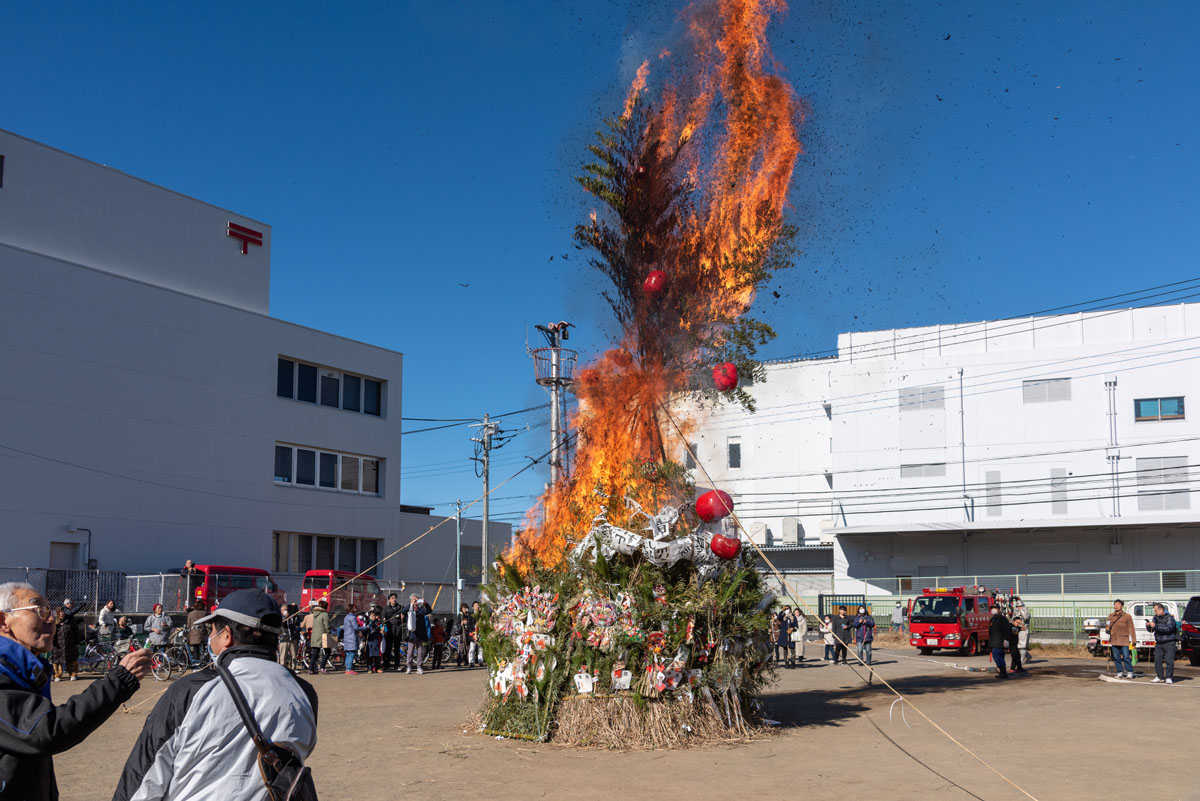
1061	734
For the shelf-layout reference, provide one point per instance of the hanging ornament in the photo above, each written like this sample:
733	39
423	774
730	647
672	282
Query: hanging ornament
725	376
656	281
714	505
725	547
639	171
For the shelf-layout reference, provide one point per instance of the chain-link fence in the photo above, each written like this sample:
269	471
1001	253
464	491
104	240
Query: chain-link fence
85	588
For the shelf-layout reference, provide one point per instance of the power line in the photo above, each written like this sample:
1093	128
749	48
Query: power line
1065	486
974	380
1019	320
1169	441
889	405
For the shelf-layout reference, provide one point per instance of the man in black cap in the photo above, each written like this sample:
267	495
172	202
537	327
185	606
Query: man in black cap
194	744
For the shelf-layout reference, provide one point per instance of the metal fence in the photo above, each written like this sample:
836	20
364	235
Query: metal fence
83	587
1160	583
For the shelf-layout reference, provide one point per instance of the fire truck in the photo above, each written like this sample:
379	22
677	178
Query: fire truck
950	617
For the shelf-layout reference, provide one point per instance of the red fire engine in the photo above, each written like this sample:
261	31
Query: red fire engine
955	617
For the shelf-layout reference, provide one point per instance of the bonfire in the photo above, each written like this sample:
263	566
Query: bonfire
627	614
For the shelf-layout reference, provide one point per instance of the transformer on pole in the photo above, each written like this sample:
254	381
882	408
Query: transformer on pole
554	368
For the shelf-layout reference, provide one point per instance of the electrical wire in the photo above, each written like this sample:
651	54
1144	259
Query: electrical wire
890	405
973	381
1013	322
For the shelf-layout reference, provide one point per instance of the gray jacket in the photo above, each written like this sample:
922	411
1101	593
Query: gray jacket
194	746
162	622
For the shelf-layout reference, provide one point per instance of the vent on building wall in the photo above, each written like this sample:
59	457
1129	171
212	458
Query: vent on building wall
1046	390
1174	580
931	396
991	492
922	470
1165	474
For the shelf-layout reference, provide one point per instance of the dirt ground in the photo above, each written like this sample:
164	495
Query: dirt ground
1061	733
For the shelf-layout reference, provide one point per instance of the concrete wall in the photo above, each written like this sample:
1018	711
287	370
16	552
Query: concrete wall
79	211
153	417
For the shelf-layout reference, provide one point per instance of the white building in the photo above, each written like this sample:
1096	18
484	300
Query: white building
155	412
1046	445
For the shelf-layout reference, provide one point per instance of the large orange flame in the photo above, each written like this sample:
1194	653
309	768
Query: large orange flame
739	124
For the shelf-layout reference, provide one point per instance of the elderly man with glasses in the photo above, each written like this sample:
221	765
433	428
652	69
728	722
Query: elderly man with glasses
32	728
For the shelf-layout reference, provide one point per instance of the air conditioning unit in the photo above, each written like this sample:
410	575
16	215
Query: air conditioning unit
759	532
791	531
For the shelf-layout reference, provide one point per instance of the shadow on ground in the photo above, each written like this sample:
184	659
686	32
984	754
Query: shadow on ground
828	707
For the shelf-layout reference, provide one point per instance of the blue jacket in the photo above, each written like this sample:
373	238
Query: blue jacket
864	628
1165	629
350	629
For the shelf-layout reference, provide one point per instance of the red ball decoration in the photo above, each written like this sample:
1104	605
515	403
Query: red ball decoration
714	505
639	171
725	376
725	547
655	282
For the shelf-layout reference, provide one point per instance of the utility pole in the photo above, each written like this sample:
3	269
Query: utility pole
457	555
554	368
487	430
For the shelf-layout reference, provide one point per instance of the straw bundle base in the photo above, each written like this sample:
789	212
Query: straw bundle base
622	722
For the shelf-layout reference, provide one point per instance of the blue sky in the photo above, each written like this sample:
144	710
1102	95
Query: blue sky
963	161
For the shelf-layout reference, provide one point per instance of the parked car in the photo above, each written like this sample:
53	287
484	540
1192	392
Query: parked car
1189	631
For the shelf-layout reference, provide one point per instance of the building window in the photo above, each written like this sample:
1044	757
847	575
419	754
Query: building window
306	383
734	446
299	553
1158	409
350	473
323	560
351	393
368	554
329	387
331	392
923	470
304	553
931	396
306	467
339	472
329	465
285	382
370	476
1058	491
283	464
347	554
1046	390
689	457
991	492
372	397
1162	483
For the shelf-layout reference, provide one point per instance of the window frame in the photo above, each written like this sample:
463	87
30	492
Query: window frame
1159	417
339	468
324	373
296	558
